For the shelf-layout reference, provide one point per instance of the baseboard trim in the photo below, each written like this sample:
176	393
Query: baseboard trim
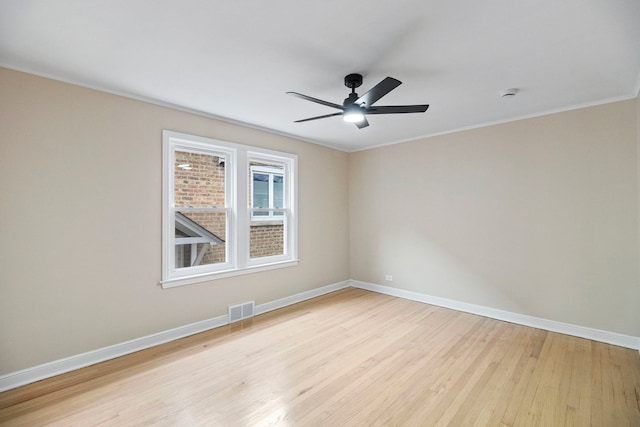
614	338
302	296
61	366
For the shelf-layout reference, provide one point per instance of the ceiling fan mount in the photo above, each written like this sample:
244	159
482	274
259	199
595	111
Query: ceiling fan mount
355	108
353	81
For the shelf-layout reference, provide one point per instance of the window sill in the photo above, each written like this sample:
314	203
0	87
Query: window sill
206	277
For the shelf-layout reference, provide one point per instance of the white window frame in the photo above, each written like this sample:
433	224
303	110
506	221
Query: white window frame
237	206
271	171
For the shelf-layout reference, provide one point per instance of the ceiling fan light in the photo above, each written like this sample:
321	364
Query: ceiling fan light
353	115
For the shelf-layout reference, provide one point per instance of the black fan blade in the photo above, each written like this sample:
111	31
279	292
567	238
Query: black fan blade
362	123
318	117
316	100
397	109
378	91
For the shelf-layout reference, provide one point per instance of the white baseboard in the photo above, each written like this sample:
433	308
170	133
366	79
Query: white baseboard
71	363
60	366
302	296
57	367
614	338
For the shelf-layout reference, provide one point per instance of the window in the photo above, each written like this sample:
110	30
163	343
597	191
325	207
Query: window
267	192
208	232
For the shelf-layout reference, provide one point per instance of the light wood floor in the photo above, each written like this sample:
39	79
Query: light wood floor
350	358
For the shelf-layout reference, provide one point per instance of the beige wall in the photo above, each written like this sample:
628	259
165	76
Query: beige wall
538	217
80	190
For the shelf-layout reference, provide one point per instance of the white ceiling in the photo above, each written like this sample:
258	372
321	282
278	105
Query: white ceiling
236	59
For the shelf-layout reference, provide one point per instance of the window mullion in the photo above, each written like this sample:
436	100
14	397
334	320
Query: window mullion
242	213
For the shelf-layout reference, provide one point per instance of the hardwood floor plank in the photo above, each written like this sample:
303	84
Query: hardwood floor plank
353	358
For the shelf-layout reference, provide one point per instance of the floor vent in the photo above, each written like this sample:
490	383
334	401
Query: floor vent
241	311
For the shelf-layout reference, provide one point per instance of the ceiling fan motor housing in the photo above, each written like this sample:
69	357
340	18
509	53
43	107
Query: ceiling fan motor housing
350	99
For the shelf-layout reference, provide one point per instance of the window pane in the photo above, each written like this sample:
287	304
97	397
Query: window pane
260	192
200	238
198	180
267	189
266	240
278	192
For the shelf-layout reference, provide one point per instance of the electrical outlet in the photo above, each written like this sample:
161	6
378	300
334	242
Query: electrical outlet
388	278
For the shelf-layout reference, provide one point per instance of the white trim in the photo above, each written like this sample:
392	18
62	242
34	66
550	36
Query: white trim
60	366
205	277
164	104
57	367
302	296
71	363
614	338
173	106
499	122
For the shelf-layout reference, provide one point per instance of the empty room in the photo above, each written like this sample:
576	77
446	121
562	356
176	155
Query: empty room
367	213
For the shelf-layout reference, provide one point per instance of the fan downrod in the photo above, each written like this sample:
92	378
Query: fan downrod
353	81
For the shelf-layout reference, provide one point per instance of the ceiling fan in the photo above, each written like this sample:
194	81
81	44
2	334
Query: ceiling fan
354	109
